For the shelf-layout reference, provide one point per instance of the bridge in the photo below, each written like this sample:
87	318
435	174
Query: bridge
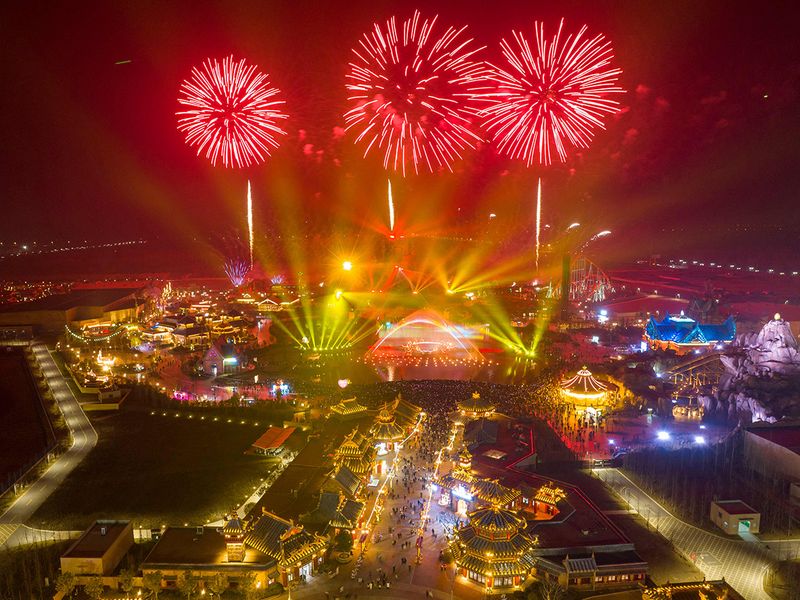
698	371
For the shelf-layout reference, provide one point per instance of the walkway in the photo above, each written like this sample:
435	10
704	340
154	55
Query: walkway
742	564
84	438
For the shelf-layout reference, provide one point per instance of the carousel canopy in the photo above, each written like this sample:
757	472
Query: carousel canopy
475	404
584	385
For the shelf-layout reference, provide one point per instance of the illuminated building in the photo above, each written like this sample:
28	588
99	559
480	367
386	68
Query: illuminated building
99	550
221	358
78	308
527	528
586	392
493	549
357	452
386	431
348	409
683	334
273	441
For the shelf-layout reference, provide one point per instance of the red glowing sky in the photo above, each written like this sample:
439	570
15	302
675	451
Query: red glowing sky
708	136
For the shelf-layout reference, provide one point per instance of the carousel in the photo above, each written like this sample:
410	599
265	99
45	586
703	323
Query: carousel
585	392
476	407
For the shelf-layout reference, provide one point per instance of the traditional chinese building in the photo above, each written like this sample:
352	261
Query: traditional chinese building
493	549
357	452
406	414
683	334
348	409
386	431
297	553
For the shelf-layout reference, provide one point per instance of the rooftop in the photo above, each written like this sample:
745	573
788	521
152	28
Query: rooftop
274	437
787	436
96	540
72	299
736	507
186	546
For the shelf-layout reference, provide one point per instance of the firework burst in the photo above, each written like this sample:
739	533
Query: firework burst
413	94
232	113
236	269
553	98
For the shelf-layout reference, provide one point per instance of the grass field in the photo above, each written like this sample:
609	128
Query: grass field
157	470
24	435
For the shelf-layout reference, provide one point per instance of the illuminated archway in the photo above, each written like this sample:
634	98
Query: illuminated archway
411	335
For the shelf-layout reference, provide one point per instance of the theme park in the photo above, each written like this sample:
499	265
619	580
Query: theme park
403	303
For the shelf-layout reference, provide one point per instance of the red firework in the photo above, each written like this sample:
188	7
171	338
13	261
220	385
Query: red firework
413	93
552	98
232	112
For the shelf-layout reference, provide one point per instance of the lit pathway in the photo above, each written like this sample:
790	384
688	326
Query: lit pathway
742	564
84	439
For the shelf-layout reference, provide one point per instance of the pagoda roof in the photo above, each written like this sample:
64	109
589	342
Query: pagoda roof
354	444
405	412
520	567
387	431
283	540
495	519
233	526
350	406
550	494
493	492
685	330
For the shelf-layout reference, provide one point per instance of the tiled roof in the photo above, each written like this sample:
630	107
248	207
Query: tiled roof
492	491
349	481
492	518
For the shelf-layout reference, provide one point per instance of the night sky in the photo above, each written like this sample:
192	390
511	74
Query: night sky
707	142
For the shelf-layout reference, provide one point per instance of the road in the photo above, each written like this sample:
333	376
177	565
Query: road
742	564
84	439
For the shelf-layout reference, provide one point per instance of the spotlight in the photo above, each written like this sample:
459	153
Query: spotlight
663	435
699	439
347	265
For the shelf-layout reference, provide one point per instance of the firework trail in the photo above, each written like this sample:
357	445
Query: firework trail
250	220
391	208
538	220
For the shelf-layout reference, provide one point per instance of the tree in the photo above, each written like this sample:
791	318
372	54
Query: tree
187	584
126	580
216	584
65	583
343	541
152	582
548	589
94	589
248	585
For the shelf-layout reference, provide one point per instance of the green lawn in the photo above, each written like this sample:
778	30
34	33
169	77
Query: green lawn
157	470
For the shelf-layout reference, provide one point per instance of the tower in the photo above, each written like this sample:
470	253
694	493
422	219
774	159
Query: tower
234	538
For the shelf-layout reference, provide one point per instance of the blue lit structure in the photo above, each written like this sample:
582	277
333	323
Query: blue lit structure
683	334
